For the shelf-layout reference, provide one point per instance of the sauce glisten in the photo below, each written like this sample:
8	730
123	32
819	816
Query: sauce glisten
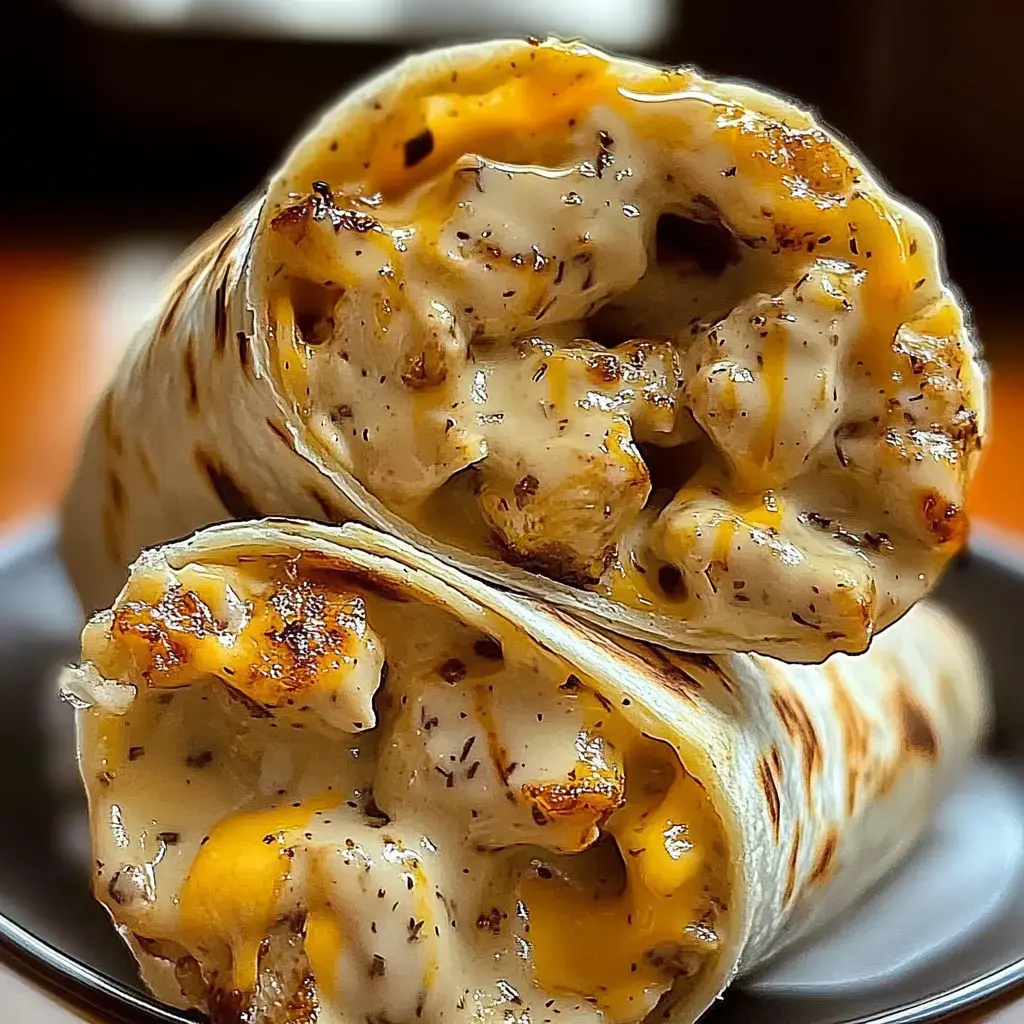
314	801
639	332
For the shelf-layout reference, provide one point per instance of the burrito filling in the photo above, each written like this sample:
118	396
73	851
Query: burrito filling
314	799
633	330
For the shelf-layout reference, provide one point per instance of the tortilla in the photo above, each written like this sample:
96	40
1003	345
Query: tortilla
658	349
332	778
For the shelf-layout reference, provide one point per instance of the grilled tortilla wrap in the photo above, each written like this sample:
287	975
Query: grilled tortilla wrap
332	778
656	348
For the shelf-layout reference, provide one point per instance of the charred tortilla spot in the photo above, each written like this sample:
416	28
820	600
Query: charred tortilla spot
177	295
220	316
418	148
118	496
224	249
230	494
191	378
330	513
243	349
673	674
111	434
112	533
856	734
766	779
823	860
918	734
794	717
280	433
794	856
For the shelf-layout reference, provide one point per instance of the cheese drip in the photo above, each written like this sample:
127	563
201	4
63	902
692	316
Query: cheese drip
623	951
231	895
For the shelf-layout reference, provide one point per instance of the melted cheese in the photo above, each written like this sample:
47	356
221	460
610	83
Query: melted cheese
324	943
762	511
623	951
292	353
232	890
495	122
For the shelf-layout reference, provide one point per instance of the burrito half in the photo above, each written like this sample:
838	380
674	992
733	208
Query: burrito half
656	348
333	779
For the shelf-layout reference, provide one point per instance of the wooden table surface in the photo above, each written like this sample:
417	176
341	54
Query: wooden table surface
66	317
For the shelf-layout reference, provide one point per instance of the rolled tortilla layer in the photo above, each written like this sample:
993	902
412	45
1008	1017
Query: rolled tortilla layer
332	778
655	348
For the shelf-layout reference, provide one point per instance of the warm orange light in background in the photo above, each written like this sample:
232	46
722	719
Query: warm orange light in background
47	378
998	491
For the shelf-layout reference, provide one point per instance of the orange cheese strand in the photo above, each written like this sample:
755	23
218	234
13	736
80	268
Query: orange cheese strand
623	951
232	890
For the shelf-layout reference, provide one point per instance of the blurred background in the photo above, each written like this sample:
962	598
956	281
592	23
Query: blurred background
133	124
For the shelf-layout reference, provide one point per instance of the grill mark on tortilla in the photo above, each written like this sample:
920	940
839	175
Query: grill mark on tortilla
113	515
147	467
797	722
280	432
794	856
118	495
111	434
189	361
330	513
170	313
677	679
220	316
243	349
771	794
888	777
823	861
708	663
230	494
223	250
855	735
776	759
312	563
916	727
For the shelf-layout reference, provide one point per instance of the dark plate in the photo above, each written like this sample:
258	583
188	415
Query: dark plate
944	931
